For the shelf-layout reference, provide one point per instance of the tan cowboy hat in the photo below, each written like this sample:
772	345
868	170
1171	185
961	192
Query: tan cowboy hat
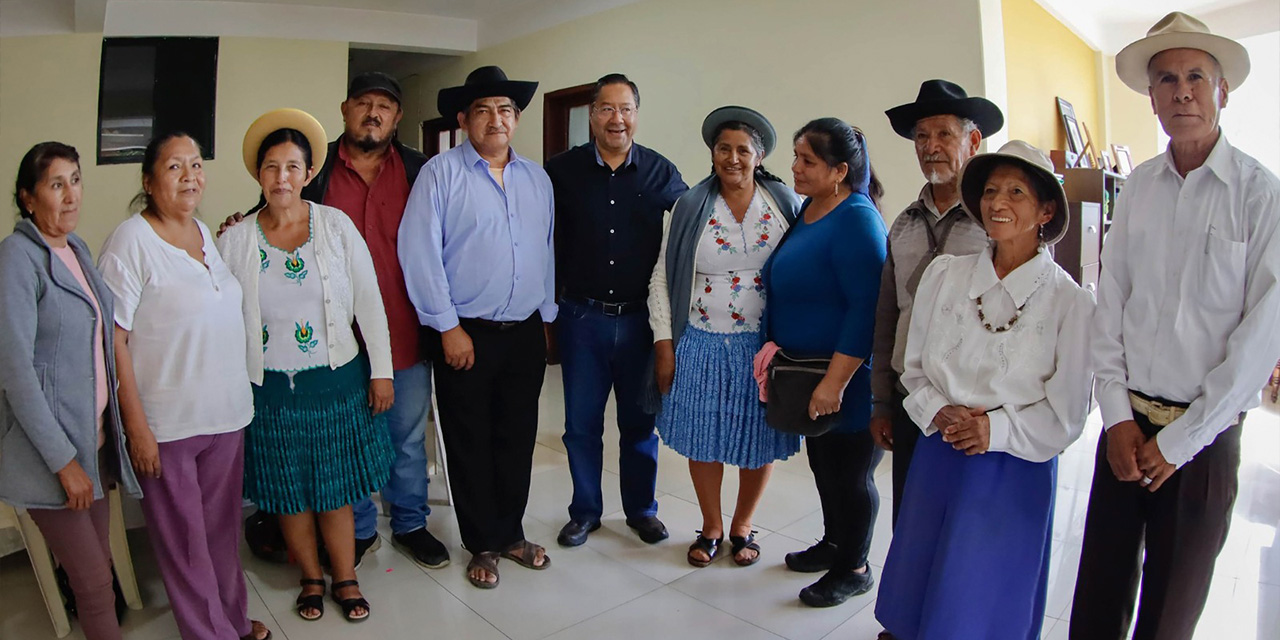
973	177
1181	31
277	119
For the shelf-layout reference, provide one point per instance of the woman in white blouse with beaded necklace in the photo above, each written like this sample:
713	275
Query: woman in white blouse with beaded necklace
998	375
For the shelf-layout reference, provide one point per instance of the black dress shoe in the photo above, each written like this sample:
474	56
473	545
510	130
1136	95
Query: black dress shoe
365	545
819	557
423	548
649	528
834	588
574	533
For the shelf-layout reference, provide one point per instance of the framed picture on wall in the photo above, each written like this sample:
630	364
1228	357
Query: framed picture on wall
1075	142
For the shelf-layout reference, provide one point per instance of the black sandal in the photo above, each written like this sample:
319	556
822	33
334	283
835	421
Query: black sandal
252	632
349	604
488	561
739	544
313	601
707	546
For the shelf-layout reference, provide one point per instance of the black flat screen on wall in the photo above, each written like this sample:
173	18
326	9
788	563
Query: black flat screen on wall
150	86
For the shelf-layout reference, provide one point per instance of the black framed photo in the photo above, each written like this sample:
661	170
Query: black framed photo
1075	142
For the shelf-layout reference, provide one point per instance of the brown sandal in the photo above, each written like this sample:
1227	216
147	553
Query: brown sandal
488	561
528	553
253	634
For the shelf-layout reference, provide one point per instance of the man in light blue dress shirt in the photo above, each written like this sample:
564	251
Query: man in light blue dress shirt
476	248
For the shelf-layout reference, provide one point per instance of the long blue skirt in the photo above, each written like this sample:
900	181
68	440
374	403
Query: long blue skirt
713	412
970	553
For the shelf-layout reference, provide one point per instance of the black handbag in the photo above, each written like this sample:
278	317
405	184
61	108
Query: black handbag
791	384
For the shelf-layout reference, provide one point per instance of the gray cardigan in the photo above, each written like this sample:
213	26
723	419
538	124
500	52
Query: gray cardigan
688	217
47	382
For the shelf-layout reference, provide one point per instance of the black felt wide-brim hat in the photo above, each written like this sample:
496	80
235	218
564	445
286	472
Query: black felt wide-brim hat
940	98
485	82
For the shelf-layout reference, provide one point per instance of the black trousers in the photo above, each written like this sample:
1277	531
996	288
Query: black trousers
1183	526
844	468
905	435
489	419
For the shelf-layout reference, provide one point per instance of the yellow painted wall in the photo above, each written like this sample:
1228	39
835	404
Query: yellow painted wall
49	91
792	61
1131	119
1044	61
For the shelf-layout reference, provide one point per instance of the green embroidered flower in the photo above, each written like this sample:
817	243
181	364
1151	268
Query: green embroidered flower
262	255
304	335
265	337
296	267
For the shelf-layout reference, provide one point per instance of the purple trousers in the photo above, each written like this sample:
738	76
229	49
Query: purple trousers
193	516
80	540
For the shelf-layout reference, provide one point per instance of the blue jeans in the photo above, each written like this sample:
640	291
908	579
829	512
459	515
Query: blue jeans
406	490
599	353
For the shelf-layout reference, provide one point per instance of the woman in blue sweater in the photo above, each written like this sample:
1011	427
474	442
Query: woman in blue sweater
822	285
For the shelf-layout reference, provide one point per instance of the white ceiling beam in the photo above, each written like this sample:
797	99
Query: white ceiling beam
420	32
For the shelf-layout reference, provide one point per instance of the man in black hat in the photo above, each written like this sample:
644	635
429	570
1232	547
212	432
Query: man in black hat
478	258
947	126
610	197
368	173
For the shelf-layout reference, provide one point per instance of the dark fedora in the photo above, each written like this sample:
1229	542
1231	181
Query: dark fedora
485	82
940	98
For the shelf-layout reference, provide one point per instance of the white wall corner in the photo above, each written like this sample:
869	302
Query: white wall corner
994	72
90	15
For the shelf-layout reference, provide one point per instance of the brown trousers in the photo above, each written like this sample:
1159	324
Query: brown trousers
1182	526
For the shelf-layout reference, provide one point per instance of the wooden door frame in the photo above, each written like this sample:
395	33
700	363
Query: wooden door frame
555	116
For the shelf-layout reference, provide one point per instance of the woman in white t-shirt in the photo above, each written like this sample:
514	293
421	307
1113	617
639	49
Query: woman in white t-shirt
178	335
318	443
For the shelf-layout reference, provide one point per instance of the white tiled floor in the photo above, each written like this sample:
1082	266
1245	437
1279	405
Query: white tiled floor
617	587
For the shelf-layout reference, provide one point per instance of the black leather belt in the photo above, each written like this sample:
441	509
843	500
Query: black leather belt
495	325
611	309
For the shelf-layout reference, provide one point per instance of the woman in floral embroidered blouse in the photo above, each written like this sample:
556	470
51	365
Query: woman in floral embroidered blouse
707	326
318	441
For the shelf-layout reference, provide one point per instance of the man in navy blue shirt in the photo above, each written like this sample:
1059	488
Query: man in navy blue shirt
610	195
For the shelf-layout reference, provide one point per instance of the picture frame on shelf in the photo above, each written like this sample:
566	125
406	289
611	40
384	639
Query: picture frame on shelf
1124	159
1108	163
1075	142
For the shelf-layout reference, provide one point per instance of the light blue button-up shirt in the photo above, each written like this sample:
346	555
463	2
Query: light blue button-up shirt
472	249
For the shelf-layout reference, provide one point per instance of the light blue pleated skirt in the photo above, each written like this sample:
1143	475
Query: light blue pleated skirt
713	412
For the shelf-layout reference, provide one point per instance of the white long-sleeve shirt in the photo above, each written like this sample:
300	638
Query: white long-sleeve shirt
1189	301
1033	380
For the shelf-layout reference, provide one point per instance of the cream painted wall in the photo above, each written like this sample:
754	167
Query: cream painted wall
1044	61
49	91
794	62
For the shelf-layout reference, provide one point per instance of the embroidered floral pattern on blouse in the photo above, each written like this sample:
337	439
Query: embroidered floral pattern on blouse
305	336
295	268
762	227
266	337
721	233
266	262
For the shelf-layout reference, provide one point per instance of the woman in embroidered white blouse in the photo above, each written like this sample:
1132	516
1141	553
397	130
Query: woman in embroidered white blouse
318	441
998	375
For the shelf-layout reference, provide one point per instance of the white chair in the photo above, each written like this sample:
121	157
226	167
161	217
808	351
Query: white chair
441	459
42	560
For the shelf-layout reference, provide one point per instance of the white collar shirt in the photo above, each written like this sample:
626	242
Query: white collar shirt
1033	380
1188	300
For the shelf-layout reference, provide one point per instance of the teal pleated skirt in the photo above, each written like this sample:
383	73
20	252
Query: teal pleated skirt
314	444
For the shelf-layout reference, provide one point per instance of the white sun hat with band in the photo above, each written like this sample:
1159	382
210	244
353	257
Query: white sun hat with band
1181	31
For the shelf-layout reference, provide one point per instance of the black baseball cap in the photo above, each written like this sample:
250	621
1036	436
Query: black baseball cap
374	81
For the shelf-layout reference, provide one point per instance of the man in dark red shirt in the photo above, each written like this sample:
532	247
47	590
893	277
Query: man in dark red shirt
368	174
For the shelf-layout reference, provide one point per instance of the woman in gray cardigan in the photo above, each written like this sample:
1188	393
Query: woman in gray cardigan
61	439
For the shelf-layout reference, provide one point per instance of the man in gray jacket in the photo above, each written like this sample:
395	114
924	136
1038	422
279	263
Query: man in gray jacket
947	126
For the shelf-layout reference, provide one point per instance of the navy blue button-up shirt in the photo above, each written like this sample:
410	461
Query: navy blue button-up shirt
609	222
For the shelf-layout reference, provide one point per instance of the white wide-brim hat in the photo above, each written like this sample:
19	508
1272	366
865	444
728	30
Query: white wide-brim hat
1033	161
1181	31
276	119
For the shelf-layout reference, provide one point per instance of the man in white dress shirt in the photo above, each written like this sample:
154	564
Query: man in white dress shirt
1185	333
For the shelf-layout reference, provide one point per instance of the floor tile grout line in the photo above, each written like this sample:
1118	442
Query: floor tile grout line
277	628
609	610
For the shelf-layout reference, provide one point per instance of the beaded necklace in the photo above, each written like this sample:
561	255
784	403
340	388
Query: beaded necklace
1004	327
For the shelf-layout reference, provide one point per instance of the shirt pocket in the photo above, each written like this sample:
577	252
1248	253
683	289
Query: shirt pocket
1222	273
